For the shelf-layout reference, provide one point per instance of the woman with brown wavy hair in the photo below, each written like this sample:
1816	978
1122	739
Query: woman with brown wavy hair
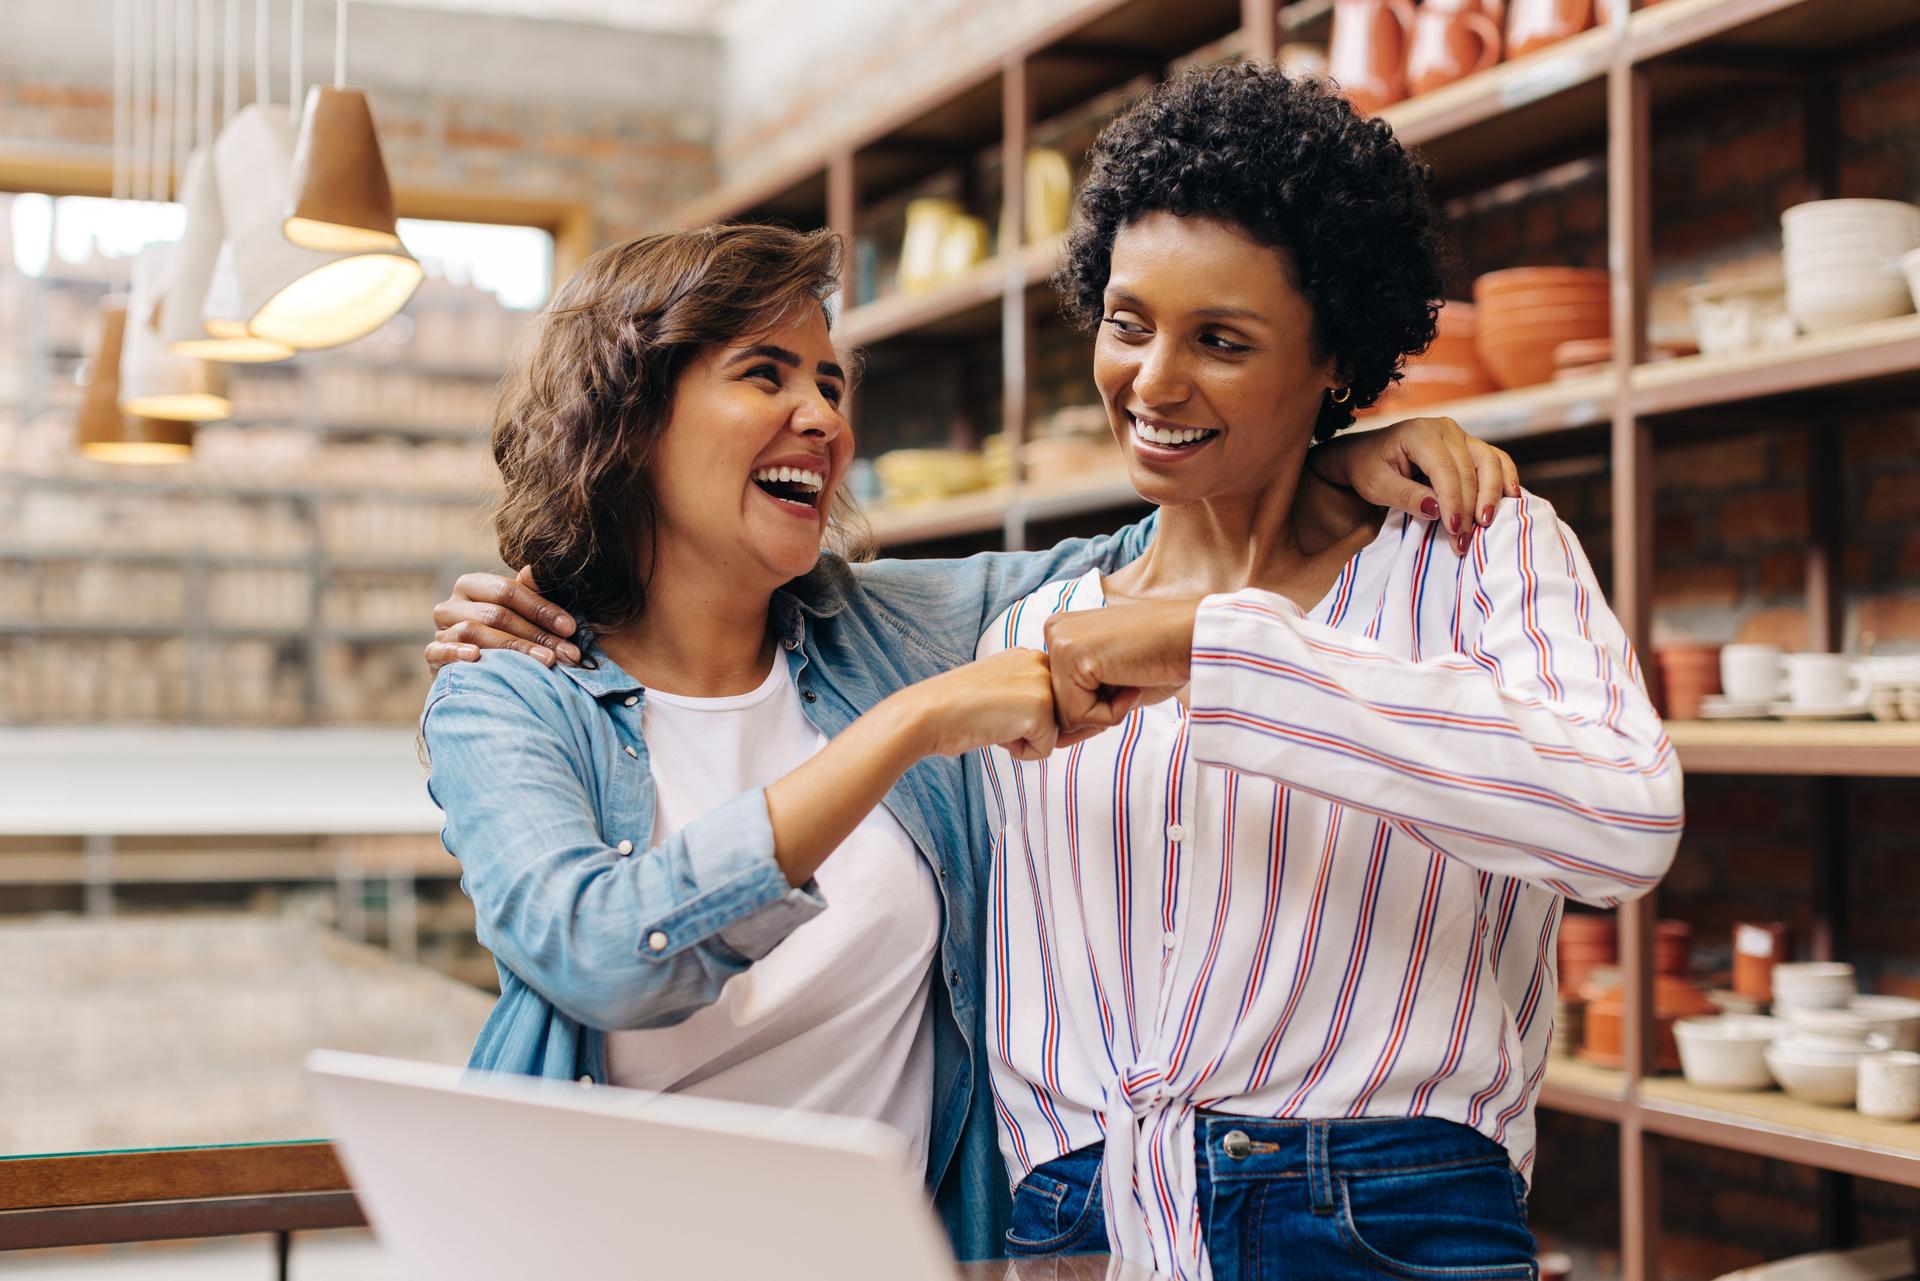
730	849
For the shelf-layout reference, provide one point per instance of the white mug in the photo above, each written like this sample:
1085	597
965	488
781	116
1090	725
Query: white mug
1750	673
1824	680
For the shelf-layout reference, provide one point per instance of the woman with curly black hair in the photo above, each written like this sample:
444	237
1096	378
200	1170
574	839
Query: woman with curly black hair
1271	966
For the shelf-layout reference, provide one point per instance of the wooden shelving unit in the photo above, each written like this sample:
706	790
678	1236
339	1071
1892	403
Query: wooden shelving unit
1596	94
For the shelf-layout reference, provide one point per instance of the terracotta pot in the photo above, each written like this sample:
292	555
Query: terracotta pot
1450	41
1672	947
1367	57
1535	24
1674	998
1588	940
1688	673
1757	948
1498	282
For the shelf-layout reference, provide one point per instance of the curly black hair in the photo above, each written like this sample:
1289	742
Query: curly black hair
1294	164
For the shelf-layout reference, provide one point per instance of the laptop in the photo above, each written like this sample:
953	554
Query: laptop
472	1176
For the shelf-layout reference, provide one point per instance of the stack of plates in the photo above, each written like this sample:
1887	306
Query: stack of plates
1843	261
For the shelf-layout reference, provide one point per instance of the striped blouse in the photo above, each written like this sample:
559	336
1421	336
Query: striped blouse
1332	887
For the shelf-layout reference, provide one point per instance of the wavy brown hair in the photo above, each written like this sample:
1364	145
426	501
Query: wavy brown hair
577	424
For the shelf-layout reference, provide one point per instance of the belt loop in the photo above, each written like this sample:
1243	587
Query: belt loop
1319	1175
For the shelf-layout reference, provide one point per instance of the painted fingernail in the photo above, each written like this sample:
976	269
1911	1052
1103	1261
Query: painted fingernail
1453	522
1430	509
1513	491
1486	516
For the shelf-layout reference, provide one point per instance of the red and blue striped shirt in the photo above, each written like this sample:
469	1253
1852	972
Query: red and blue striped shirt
1330	886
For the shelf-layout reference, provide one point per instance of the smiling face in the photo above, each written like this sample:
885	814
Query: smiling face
753	453
1205	360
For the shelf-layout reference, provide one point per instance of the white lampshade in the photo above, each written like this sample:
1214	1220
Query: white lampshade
155	383
199	249
305	298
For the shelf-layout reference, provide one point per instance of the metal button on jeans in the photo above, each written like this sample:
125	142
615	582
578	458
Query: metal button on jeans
1237	1144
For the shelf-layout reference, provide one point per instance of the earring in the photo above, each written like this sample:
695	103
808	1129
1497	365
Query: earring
1342	396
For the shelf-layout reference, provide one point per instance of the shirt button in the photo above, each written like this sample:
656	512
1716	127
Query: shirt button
633	700
1176	833
1167	940
630	752
587	1079
657	940
625	847
809	695
791	643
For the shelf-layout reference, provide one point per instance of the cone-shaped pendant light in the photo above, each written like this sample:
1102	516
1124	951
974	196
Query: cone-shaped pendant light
181	311
341	197
103	432
154	382
305	298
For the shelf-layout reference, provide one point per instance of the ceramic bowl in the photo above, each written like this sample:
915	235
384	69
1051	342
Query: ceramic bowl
1816	1074
1826	985
1895	1017
1817	311
1910	263
1726	1052
1828	213
1889	1086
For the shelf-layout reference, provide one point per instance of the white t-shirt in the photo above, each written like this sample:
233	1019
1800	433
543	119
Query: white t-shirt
835	1018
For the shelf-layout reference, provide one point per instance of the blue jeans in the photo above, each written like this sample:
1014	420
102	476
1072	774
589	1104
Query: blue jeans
1414	1199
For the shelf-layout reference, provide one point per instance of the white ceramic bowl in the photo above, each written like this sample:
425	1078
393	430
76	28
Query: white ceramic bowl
1816	1074
1910	263
1740	315
1819	313
1826	985
1726	1051
1826	213
1889	1086
1840	1028
1895	1017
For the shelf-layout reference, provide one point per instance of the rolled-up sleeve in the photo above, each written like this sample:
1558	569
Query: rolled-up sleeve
615	939
1534	754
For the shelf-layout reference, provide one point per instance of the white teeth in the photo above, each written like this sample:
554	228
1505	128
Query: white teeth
813	480
1168	436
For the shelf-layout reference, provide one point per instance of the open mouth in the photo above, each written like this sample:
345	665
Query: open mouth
1169	436
794	486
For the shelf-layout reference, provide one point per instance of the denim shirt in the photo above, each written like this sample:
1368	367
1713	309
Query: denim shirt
549	806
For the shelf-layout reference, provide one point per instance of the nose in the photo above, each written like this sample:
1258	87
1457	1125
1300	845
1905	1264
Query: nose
1160	378
819	418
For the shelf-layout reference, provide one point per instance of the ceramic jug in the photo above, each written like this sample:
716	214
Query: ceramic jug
1451	39
1368	55
927	223
1049	194
1535	24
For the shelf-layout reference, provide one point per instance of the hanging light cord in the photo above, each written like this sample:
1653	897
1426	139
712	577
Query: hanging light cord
203	120
295	60
340	45
232	68
260	94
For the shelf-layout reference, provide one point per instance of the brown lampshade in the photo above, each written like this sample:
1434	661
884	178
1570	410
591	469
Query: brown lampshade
342	201
102	431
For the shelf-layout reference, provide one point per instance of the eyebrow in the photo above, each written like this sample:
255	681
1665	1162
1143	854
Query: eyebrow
1210	313
791	359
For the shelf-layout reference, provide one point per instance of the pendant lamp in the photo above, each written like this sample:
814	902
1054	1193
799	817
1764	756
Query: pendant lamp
103	432
154	382
306	298
341	197
182	310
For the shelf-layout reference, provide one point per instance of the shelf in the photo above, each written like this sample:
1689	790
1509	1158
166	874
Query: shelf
1677	27
1525	411
1832	748
182	868
182	628
1857	356
1581	1089
1768	1123
1762	1122
989	509
237	489
968	303
218	560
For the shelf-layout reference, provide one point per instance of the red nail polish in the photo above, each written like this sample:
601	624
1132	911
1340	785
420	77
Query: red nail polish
1430	509
1486	517
1453	522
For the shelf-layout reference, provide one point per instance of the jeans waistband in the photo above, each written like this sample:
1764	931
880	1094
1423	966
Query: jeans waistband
1261	1147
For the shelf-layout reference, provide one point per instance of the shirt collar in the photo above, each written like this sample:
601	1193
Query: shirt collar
605	678
823	591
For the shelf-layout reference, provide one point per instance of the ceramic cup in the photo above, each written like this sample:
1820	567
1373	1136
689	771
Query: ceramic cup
1750	673
1824	680
1890	1086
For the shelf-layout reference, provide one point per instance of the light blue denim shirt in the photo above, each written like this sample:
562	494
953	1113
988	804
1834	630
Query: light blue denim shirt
543	778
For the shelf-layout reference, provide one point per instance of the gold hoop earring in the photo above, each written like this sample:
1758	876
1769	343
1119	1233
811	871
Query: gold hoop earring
1342	396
